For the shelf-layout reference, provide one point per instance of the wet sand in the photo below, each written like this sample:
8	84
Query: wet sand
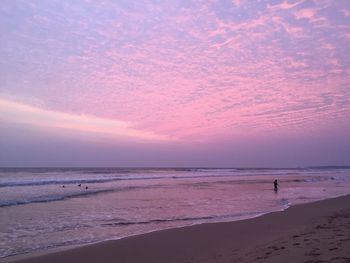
310	233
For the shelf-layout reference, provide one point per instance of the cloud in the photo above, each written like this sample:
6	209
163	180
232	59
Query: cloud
285	5
305	13
19	113
185	69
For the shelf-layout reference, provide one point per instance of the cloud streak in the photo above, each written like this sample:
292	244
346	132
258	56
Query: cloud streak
18	113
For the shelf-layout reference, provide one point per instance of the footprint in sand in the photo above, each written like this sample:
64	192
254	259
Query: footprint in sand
340	260
316	261
333	248
313	254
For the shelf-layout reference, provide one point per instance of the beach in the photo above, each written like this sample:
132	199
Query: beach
312	232
53	209
174	131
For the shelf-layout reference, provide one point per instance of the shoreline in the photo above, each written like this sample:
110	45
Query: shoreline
68	247
40	252
209	242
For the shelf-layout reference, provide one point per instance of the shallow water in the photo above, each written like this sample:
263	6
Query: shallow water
37	212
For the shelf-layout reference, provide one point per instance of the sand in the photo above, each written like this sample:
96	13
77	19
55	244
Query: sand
310	233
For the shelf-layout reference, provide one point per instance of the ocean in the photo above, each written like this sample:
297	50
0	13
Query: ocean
45	208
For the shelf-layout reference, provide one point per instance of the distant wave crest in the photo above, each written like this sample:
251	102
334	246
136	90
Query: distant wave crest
50	198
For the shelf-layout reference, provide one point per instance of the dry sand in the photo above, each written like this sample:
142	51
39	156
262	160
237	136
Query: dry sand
310	233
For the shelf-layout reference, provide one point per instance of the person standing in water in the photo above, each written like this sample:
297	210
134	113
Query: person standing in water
275	185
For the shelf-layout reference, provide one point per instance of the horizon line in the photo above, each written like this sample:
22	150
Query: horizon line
174	167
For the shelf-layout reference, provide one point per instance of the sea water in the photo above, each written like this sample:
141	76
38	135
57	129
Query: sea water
45	208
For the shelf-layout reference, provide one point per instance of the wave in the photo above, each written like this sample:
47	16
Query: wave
61	197
36	182
157	221
97	180
51	198
55	182
181	219
74	181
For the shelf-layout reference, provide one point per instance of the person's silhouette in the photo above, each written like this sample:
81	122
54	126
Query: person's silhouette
275	185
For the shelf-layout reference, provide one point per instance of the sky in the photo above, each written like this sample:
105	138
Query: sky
210	83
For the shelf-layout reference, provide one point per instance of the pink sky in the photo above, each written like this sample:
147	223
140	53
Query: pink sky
170	83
